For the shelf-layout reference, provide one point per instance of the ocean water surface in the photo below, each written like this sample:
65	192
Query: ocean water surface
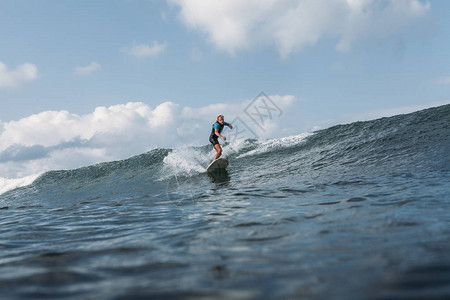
355	211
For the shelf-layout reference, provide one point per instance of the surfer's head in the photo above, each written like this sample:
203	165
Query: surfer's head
220	119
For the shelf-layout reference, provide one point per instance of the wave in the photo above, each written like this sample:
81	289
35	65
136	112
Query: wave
404	143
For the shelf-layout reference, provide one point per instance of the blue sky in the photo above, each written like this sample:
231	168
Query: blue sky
337	59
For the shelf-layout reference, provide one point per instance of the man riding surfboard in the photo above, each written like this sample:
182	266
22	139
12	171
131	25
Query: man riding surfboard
216	133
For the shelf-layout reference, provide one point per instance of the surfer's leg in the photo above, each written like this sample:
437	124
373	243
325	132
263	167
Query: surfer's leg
219	151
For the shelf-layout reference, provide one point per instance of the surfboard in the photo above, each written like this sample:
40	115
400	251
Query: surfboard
220	163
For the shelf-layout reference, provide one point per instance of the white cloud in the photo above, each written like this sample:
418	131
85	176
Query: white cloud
290	25
88	70
144	50
444	80
61	140
14	78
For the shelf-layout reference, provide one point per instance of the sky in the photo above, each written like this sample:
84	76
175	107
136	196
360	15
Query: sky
88	81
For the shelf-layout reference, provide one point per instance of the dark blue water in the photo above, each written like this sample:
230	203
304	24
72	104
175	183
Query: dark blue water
356	211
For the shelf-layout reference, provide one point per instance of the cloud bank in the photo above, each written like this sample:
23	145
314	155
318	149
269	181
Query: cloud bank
290	25
14	78
63	140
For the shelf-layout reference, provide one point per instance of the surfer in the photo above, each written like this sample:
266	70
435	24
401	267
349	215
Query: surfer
215	134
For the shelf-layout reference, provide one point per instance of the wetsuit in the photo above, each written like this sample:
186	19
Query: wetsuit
213	138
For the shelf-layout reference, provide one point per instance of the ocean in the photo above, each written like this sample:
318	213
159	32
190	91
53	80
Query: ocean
355	211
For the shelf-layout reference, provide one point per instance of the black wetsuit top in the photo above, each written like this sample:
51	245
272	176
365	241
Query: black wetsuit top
213	138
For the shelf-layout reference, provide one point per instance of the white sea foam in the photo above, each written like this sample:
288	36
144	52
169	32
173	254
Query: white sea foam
269	145
186	160
7	184
189	160
234	146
